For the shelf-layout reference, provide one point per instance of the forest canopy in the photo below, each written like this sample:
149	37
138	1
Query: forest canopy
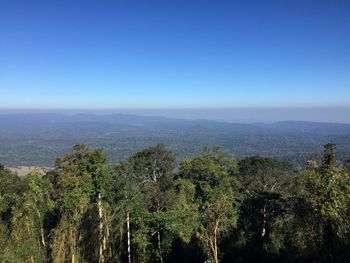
147	208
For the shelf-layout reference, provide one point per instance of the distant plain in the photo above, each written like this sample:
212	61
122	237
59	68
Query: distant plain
36	139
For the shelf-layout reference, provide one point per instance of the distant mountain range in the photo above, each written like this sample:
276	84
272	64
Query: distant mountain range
37	139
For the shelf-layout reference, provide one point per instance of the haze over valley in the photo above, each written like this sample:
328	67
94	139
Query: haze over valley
37	139
174	131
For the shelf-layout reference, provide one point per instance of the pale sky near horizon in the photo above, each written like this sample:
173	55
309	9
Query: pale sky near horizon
174	54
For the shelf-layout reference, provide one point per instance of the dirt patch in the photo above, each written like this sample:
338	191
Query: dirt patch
24	170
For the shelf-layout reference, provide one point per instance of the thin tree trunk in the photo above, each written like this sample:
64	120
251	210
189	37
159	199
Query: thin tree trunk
159	246
263	231
107	232
216	258
73	246
101	236
213	254
42	236
128	235
41	229
158	236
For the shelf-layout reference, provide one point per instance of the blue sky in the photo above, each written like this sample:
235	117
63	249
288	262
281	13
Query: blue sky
174	54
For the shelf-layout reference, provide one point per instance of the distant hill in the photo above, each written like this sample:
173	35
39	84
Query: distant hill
37	139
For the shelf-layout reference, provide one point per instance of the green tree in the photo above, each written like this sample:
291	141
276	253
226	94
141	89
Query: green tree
267	187
11	191
217	197
28	238
78	180
153	168
126	202
324	220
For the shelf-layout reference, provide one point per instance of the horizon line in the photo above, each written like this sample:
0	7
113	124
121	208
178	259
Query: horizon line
184	108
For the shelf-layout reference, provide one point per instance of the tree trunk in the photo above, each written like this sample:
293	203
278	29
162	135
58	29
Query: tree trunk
215	247
128	235
101	235
213	254
41	229
263	230
159	246
73	246
158	236
263	234
42	236
107	232
216	259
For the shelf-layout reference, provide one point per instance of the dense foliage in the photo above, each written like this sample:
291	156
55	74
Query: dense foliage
210	208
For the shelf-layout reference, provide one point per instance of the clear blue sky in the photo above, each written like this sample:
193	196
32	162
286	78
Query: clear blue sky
174	54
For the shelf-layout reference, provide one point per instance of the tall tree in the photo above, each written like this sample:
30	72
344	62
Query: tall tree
28	238
266	184
326	195
12	189
126	201
213	174
154	167
78	182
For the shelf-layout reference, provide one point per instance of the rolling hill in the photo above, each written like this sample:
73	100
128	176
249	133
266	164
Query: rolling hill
37	139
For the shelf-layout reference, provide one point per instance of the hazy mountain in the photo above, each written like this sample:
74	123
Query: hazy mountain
36	139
